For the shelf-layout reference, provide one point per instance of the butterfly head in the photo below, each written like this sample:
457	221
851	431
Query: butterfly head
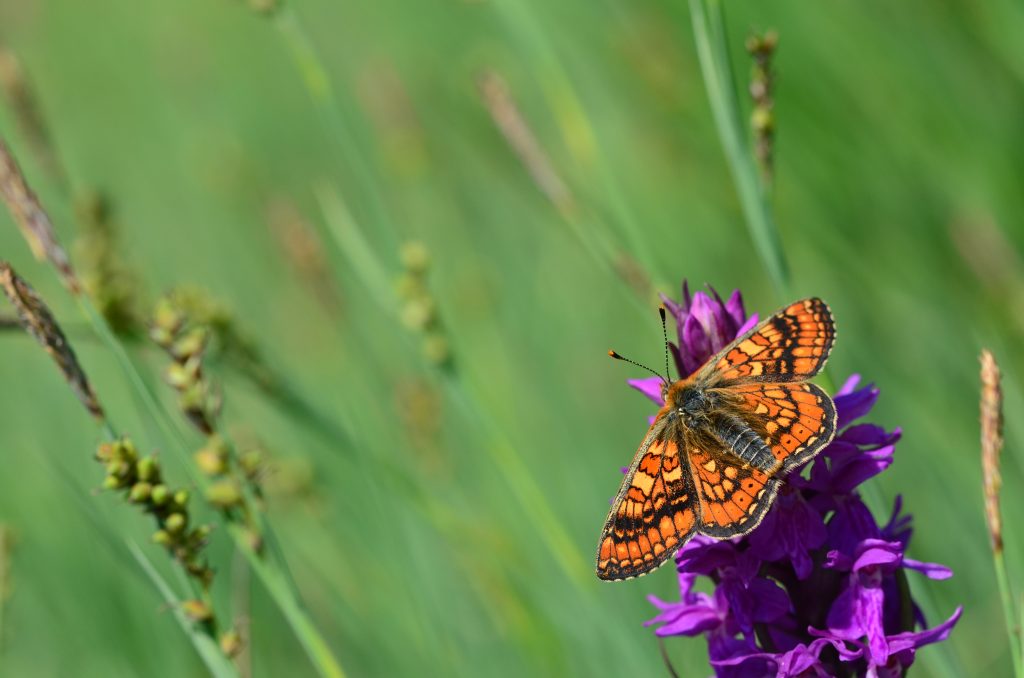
689	403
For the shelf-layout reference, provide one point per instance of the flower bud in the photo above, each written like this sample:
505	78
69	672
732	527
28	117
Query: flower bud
231	643
415	257
148	469
140	493
175	523
224	494
159	495
197	610
190	345
212	459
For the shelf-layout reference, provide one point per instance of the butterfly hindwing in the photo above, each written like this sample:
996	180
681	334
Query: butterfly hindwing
654	512
796	420
790	346
732	497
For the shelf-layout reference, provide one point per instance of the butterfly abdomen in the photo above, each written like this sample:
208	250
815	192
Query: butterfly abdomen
744	442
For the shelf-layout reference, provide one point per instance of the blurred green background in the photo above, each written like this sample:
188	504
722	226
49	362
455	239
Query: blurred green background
444	523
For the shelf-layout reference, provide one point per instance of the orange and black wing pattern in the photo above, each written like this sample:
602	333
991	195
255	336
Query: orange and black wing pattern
790	346
796	420
653	514
733	497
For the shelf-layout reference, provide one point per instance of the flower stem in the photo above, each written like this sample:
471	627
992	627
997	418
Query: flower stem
215	660
1006	596
713	53
279	586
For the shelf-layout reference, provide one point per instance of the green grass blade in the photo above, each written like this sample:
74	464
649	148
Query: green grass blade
207	648
713	53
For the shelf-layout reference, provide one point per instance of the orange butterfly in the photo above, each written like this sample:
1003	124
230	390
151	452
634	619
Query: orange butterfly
711	461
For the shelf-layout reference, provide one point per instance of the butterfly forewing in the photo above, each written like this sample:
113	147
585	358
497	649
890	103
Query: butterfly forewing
790	346
654	512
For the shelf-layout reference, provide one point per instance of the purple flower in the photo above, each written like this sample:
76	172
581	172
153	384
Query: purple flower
704	325
791	531
820	580
901	648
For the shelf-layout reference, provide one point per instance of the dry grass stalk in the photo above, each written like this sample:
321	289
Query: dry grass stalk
304	251
32	219
991	445
24	105
108	279
37	320
520	137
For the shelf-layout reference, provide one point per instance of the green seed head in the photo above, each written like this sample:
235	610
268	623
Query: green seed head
160	495
197	610
140	493
175	523
181	498
148	469
224	494
192	344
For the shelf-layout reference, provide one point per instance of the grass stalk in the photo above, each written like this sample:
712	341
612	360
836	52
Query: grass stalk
716	67
209	651
991	450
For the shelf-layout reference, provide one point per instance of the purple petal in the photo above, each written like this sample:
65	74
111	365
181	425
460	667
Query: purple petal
913	640
750	324
898	528
791	530
851	524
694	346
845	652
869	435
687	622
770	601
855	404
848	386
674	309
702	555
877	553
835	560
930	570
650	387
734	307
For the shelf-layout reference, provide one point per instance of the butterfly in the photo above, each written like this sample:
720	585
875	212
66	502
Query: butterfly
712	460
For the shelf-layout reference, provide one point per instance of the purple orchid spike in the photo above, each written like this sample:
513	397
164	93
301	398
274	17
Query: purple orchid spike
704	325
818	580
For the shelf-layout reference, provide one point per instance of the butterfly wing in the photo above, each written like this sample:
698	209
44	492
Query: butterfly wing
761	375
654	512
794	420
732	497
790	346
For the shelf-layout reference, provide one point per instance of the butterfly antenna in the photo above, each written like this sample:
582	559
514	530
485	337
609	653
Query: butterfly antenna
664	335
615	355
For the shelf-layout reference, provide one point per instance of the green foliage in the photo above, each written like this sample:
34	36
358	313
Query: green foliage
443	521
